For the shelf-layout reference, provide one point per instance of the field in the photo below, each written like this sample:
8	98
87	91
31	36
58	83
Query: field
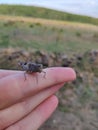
38	12
50	35
67	40
32	27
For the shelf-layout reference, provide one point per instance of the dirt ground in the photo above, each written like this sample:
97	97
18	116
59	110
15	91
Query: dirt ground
72	121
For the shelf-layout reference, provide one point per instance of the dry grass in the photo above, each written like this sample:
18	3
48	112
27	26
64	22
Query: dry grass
54	23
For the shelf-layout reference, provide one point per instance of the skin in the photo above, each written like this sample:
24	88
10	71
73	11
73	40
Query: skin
27	104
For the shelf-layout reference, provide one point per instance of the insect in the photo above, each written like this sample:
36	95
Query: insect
31	67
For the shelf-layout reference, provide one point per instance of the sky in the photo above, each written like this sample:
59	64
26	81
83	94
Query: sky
83	7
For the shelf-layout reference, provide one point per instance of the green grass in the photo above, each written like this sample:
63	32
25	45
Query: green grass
37	12
39	36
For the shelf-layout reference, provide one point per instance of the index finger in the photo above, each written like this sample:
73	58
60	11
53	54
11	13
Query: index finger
14	88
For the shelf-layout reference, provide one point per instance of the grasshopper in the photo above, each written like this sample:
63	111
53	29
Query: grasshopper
31	67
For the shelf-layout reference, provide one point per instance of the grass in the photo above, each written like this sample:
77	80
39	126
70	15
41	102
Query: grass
27	33
37	12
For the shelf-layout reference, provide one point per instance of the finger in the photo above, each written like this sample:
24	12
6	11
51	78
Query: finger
20	110
37	117
13	88
4	73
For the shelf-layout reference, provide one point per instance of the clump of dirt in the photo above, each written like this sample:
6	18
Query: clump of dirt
78	100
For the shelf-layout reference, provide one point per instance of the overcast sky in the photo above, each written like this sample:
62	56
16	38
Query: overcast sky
84	7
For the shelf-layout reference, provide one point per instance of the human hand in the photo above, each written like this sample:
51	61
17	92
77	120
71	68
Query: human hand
27	104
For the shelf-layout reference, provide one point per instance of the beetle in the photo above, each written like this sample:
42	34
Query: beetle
31	67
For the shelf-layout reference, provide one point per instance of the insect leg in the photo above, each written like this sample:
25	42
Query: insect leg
44	74
36	78
25	76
